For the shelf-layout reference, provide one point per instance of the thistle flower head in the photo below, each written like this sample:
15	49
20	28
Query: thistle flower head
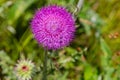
53	27
24	69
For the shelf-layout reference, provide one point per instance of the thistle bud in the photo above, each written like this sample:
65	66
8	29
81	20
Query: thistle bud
24	69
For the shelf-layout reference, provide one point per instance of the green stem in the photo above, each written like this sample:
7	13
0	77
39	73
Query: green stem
44	77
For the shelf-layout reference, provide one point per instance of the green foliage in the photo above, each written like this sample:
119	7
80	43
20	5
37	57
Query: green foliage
93	55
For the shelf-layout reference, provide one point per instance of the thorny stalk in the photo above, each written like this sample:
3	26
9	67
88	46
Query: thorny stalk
78	7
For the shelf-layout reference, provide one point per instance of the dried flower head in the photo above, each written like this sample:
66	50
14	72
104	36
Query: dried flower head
53	27
24	70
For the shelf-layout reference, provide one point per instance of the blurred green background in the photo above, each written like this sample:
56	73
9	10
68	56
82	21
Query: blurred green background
93	55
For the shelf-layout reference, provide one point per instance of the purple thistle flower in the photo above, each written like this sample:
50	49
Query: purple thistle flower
53	27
